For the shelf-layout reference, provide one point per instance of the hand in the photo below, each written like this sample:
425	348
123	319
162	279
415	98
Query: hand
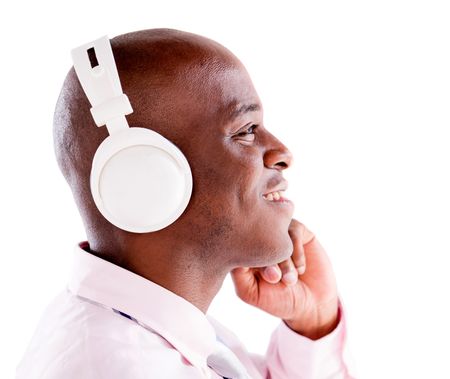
307	303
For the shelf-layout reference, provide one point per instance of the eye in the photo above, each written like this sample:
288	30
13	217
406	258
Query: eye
248	134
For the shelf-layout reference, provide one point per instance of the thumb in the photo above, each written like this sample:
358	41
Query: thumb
307	235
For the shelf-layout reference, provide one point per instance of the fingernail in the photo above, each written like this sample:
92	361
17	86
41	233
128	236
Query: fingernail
290	277
272	273
301	270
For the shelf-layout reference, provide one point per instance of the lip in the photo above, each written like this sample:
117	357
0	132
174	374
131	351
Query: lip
283	207
282	186
283	204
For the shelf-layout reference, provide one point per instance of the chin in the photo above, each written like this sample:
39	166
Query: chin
281	246
267	252
282	252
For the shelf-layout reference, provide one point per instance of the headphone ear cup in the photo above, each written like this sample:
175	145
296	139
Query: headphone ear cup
140	181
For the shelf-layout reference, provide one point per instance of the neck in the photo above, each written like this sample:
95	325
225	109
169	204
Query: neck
188	271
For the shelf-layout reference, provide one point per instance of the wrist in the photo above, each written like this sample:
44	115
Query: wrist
316	325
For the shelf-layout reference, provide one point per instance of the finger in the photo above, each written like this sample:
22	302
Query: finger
301	266
307	235
296	232
271	274
289	272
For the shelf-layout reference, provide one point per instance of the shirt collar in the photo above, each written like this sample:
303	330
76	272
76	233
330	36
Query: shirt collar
181	323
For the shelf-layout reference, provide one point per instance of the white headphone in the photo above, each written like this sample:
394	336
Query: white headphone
140	181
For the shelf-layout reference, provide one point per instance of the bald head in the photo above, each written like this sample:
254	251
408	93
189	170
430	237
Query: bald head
164	73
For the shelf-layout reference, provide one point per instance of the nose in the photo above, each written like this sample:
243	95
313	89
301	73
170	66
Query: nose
277	155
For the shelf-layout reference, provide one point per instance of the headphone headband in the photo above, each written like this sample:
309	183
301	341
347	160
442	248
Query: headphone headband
97	72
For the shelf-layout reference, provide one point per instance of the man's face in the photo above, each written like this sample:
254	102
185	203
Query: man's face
211	111
235	162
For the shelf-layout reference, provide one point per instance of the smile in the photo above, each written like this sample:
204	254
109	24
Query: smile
276	196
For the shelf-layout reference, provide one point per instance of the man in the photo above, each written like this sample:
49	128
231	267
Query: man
136	303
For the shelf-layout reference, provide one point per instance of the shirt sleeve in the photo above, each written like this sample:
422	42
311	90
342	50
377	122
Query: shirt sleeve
293	356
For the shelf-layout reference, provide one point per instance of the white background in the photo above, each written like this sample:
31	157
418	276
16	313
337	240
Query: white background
358	90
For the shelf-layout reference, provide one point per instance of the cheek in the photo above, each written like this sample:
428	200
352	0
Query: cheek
229	173
243	188
245	175
249	186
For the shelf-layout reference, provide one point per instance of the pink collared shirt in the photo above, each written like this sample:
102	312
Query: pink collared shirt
111	323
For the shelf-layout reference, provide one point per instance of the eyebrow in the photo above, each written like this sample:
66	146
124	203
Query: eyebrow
243	109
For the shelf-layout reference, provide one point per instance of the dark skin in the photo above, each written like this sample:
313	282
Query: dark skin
197	94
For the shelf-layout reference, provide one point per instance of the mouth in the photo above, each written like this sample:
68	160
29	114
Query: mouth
276	197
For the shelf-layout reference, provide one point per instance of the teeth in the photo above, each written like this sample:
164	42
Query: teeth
273	196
